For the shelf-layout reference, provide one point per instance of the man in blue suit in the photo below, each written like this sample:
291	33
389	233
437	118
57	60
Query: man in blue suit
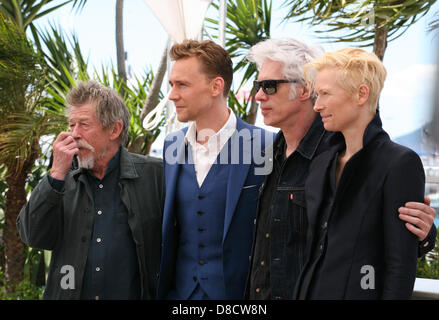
213	171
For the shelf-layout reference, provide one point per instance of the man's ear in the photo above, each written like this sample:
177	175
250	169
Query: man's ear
116	130
363	94
217	85
303	92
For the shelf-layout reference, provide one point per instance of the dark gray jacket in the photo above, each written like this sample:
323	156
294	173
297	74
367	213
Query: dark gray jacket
63	223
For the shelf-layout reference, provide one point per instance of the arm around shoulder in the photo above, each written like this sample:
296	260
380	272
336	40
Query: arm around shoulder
405	181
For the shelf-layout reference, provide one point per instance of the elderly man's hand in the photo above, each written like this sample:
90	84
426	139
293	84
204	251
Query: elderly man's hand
419	217
64	148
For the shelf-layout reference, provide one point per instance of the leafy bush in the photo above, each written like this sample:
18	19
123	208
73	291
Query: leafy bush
428	265
25	290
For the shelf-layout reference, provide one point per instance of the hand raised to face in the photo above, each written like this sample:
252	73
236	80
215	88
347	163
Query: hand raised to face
64	148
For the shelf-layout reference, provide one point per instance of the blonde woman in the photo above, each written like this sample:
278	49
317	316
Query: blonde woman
358	248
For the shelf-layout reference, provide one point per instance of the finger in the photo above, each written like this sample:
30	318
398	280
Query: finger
421	207
62	136
415	221
427	201
426	217
417	232
71	143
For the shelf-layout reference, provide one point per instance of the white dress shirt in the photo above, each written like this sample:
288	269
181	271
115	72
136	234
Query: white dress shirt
205	155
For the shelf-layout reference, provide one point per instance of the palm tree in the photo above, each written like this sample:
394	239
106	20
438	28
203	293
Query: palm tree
120	51
22	122
66	65
368	22
24	12
248	22
435	23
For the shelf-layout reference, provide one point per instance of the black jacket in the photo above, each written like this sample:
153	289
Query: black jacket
358	248
63	222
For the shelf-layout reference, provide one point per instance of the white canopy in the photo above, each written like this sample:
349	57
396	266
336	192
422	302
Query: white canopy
182	19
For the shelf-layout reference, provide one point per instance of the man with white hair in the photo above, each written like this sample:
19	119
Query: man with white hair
286	102
102	220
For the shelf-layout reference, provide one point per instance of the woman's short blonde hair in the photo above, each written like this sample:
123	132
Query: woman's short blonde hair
353	67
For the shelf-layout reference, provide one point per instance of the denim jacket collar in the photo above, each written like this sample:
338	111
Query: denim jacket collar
309	143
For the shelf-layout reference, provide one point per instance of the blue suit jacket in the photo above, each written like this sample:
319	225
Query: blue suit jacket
241	194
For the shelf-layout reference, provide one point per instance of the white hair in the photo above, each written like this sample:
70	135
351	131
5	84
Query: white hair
292	53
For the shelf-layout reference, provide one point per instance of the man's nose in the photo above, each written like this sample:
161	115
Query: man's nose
173	95
260	95
75	131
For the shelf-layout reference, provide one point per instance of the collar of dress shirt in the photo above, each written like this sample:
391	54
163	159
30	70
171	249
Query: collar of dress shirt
222	135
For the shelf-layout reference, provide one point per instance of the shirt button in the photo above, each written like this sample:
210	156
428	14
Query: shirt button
101	186
321	247
325	225
426	244
98	269
99	212
254	221
98	240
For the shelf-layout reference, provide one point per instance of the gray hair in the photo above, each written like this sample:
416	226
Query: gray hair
292	53
110	107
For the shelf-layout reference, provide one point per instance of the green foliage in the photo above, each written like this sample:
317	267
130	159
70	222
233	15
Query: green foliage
248	22
24	12
359	19
428	265
240	108
21	87
24	290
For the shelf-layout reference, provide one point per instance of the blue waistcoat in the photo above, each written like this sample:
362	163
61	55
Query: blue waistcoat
200	213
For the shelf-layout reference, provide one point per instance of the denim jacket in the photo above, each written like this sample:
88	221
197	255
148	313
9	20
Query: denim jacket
279	243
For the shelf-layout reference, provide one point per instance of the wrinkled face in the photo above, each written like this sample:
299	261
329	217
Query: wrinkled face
336	106
277	109
191	90
92	139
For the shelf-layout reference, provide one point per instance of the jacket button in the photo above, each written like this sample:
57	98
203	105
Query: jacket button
201	262
200	229
200	213
200	197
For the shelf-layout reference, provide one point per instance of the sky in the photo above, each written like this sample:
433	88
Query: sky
410	60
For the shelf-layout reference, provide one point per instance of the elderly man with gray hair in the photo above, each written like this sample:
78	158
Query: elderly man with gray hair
101	221
286	102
